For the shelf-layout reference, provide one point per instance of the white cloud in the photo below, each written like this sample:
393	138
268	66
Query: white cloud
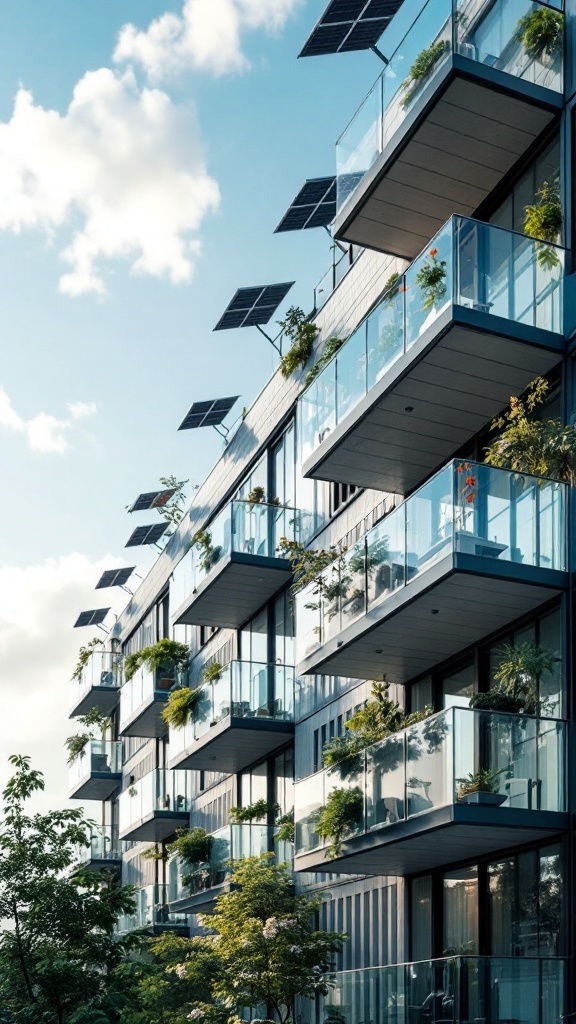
38	649
207	36
44	432
123	169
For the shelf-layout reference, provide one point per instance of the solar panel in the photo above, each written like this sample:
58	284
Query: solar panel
114	578
207	414
253	306
314	206
152	499
91	618
350	25
147	535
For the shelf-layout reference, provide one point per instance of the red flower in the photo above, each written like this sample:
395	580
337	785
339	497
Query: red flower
433	253
470	498
470	481
402	288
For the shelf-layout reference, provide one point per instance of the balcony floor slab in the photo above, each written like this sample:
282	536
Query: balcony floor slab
147	722
456	378
97	786
452	605
234	590
105	698
469	128
233	744
156	827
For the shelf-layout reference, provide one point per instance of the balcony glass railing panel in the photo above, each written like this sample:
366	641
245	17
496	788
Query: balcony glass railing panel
468	263
480	30
104	846
467	508
138	692
432	765
244	689
181	582
101	670
160	790
98	757
455	990
251	529
151	910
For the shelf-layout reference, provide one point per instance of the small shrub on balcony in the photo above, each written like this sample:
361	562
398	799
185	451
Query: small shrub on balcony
341	817
93	721
193	845
527	444
246	815
543	221
302	333
541	33
183	706
209	554
483	781
286	828
332	346
518	676
212	673
308	564
431	280
166	655
423	65
84	655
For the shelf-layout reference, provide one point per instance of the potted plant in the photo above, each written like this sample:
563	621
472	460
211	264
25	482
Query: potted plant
422	67
341	817
94	719
481	787
541	33
496	700
521	668
431	279
208	554
164	658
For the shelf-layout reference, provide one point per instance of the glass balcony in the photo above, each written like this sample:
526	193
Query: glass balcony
104	850
468	553
244	715
97	685
453	990
461	101
342	263
97	771
196	886
424	784
237	568
142	700
153	913
155	806
477	316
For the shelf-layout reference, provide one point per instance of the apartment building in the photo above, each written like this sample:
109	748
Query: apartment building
458	900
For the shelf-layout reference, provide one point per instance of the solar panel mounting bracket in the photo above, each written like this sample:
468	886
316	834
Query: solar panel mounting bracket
271	340
380	54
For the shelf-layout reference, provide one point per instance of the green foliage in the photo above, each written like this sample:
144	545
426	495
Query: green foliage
538	446
332	346
212	673
84	655
482	781
431	279
209	555
286	828
173	511
302	333
257	496
193	845
308	564
92	720
543	221
57	950
340	818
541	33
259	809
155	852
167	655
268	947
520	670
422	66
183	705
496	700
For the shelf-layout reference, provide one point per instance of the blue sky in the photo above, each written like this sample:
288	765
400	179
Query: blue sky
102	353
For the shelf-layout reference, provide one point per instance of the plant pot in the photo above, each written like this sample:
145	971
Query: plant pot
481	797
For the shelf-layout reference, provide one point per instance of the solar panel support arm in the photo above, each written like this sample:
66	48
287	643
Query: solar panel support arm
380	54
335	241
223	432
103	628
271	340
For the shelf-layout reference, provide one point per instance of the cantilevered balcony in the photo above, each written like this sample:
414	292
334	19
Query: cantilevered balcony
193	888
420	799
453	990
142	700
104	851
468	553
477	316
96	685
154	807
152	913
462	100
97	771
234	569
245	714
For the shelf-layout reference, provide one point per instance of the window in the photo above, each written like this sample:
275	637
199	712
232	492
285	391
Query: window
339	495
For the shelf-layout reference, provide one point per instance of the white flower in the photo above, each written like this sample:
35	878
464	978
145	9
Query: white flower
196	1014
295	949
180	971
270	929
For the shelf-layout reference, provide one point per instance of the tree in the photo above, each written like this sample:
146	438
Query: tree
57	950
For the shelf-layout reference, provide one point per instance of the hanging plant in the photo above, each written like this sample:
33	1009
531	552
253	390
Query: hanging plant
543	221
207	552
166	655
286	828
245	815
212	673
541	33
193	845
341	817
422	66
525	444
431	279
84	655
332	346
183	706
302	333
155	852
